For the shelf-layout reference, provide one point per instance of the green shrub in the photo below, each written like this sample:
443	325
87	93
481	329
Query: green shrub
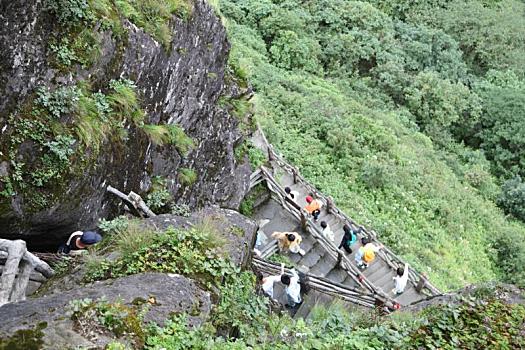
70	12
510	255
59	102
159	198
512	198
181	209
194	252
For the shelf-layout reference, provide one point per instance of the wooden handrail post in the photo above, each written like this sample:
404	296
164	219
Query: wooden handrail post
330	204
303	220
294	173
339	257
421	283
270	154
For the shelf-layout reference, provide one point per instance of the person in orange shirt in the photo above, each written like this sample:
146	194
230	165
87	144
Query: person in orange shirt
313	207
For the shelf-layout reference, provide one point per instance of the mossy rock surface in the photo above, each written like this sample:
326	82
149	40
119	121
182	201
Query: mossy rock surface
168	85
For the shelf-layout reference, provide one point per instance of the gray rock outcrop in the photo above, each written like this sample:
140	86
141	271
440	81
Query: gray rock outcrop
179	86
172	294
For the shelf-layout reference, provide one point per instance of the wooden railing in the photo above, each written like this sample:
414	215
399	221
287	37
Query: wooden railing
329	247
19	264
324	285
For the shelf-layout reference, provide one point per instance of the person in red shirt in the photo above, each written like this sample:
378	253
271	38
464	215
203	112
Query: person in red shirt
313	207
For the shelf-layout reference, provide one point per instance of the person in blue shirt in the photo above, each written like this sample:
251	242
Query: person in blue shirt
349	238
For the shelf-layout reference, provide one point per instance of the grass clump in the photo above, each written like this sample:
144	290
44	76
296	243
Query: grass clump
158	134
169	134
180	140
154	16
187	176
195	252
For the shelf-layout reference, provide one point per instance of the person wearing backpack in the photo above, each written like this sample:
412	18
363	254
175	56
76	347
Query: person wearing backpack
349	238
366	253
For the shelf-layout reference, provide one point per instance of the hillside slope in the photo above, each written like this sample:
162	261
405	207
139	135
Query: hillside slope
355	99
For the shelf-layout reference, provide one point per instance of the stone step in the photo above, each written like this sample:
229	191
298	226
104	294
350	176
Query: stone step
372	267
323	267
309	260
337	275
308	243
308	303
378	274
349	281
409	296
386	282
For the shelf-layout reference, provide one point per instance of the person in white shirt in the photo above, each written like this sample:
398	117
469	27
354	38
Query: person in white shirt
293	288
327	231
293	195
401	280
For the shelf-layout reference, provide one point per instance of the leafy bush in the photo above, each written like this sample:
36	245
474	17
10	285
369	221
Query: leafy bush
114	226
158	199
512	198
59	102
510	256
181	209
70	12
194	252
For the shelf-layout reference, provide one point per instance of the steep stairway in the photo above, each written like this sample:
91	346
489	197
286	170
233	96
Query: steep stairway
322	257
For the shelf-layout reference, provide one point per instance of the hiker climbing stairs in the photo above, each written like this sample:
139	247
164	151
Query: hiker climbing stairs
321	257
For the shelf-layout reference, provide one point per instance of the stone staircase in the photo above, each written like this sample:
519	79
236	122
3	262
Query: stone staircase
322	258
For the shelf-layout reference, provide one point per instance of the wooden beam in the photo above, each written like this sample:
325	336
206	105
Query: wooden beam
15	250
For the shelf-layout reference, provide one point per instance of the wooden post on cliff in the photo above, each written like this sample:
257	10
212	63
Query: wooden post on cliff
270	153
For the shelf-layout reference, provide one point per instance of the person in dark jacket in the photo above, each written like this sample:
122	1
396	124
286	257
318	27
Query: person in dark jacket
349	238
79	240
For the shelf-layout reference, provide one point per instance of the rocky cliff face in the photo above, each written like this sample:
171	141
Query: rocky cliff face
180	84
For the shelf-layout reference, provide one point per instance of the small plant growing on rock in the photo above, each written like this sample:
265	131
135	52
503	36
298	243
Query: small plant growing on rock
102	317
187	176
159	198
181	209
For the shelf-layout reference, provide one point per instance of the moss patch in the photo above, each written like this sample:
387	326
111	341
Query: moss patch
25	339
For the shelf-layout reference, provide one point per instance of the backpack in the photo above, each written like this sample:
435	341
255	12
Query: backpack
369	254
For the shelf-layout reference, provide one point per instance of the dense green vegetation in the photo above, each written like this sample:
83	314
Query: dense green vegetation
410	114
241	320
